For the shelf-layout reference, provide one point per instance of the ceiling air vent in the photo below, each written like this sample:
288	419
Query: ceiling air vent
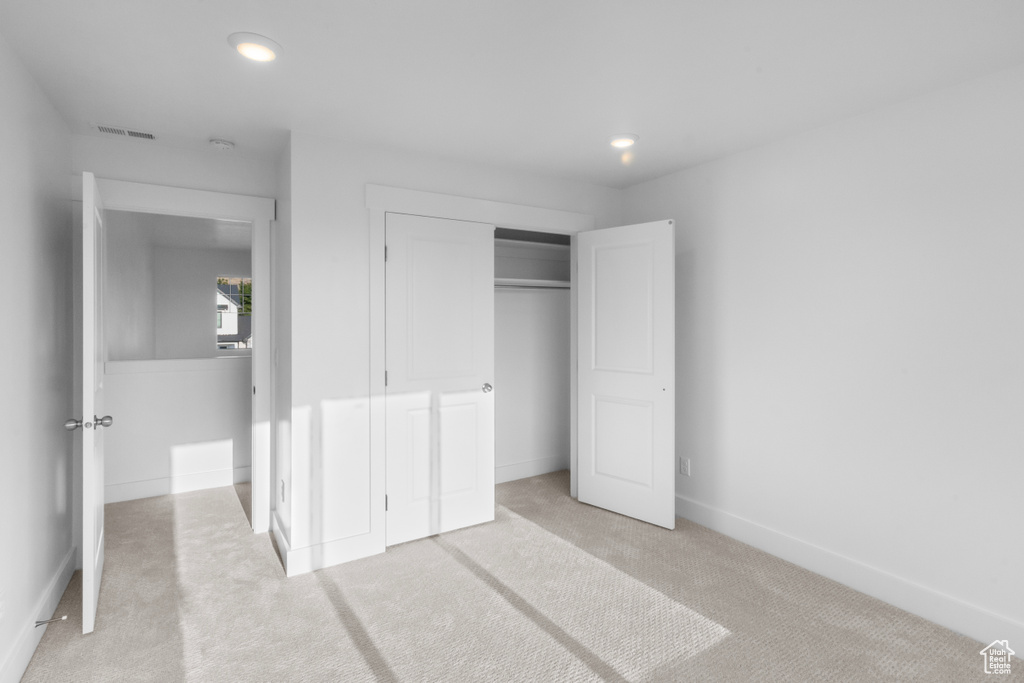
114	130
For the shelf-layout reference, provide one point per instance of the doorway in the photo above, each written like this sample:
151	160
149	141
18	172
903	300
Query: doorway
137	263
184	204
532	344
177	327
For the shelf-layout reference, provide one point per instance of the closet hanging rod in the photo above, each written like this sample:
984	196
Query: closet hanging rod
519	283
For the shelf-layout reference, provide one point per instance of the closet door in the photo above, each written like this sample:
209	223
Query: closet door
440	365
626	370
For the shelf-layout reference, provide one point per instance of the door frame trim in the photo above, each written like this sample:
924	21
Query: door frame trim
381	200
123	195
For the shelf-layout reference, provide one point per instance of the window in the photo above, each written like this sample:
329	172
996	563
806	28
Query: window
234	312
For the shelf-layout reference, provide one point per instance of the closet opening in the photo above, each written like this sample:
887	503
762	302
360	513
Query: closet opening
533	356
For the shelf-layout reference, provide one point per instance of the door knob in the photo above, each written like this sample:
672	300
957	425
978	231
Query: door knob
487	388
73	424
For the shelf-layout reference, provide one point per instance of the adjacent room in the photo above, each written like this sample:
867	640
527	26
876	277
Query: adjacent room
178	381
450	341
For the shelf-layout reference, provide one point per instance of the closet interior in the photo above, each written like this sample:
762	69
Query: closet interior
532	324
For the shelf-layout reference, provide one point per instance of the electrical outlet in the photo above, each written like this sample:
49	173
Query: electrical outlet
684	466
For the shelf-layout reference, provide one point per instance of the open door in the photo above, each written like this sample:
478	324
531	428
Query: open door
439	351
91	423
626	370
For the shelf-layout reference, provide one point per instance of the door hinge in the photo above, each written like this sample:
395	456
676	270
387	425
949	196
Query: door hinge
385	503
385	253
385	378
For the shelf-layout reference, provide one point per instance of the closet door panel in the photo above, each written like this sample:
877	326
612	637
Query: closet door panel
626	371
440	372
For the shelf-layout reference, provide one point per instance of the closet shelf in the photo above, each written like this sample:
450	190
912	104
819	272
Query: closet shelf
528	283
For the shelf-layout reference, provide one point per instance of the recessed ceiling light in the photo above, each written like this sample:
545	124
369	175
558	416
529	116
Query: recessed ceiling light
624	140
254	46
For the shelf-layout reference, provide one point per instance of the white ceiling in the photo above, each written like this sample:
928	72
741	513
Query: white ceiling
527	84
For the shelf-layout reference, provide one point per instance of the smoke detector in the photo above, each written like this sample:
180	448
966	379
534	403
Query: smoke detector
222	145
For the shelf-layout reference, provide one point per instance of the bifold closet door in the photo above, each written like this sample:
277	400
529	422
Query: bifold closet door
439	279
626	370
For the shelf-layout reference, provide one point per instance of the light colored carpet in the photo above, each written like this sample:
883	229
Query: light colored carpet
553	590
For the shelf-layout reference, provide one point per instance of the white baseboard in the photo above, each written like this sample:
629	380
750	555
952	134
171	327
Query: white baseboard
945	610
530	468
304	560
277	528
196	481
17	658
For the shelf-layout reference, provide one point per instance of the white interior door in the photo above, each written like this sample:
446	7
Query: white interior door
440	365
93	420
626	370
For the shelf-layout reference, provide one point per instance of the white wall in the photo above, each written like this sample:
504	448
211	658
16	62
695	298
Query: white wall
531	373
143	161
329	236
531	261
128	312
161	301
184	296
36	459
181	426
850	374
